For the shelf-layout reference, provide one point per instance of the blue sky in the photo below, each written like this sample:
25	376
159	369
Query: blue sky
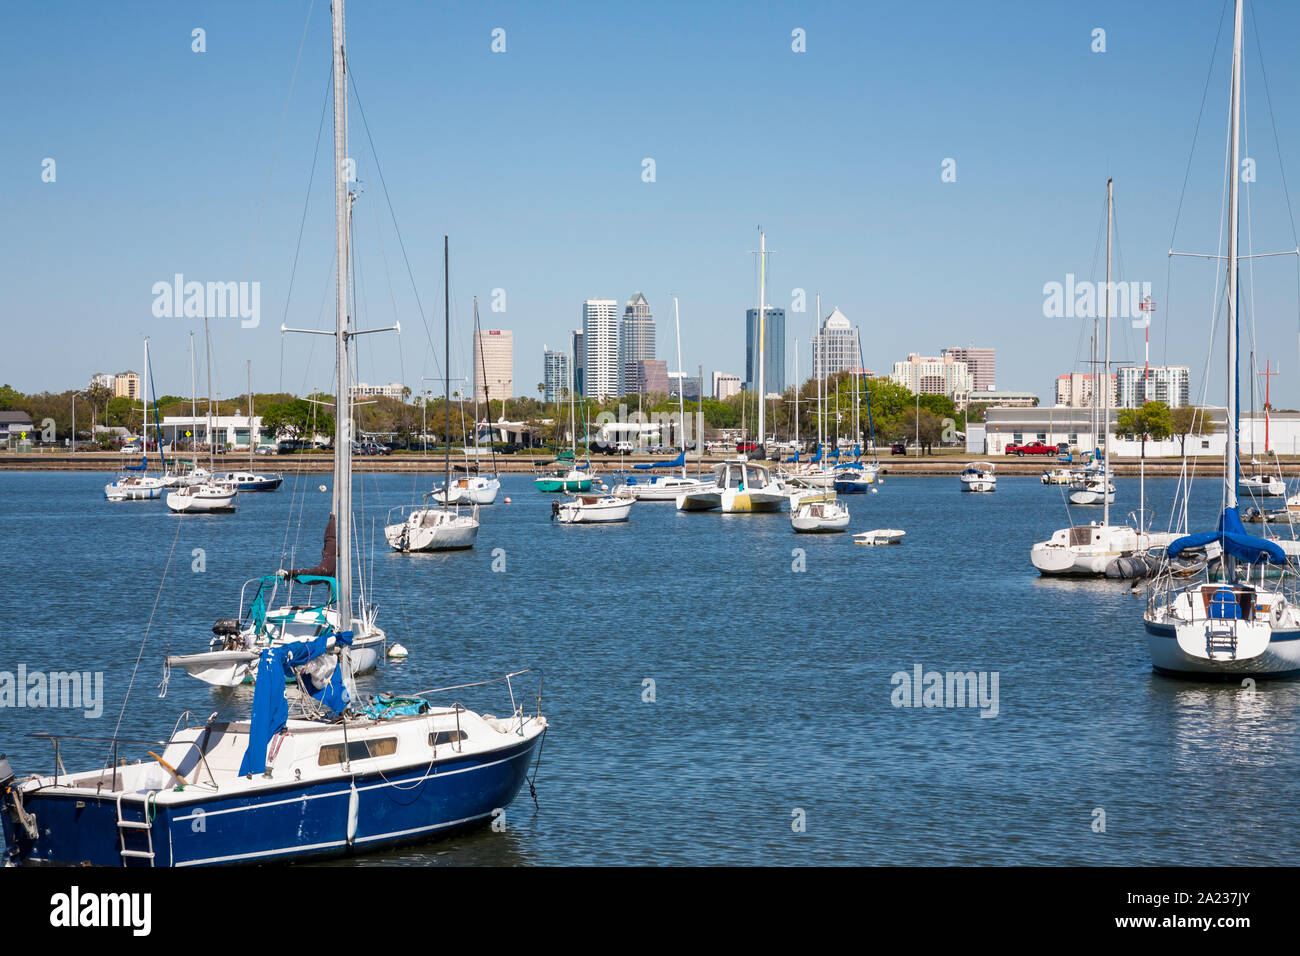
531	161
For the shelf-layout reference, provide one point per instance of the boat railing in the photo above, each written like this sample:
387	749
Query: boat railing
516	708
57	741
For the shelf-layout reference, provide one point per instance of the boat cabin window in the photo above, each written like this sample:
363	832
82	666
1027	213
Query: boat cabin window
446	737
331	754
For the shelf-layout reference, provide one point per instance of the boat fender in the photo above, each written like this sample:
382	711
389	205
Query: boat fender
353	800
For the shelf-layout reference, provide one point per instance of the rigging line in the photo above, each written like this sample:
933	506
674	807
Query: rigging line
374	154
1218	33
148	628
275	153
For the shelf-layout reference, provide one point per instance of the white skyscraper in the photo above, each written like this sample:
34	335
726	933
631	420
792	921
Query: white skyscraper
600	373
494	357
835	347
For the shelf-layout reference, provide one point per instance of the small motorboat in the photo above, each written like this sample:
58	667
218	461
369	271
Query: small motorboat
433	529
880	536
591	509
247	481
659	487
978	476
819	517
206	498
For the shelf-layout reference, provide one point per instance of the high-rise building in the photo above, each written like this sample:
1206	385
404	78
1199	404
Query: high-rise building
835	346
106	379
126	385
981	362
1137	385
773	350
494	364
725	385
600	348
555	374
934	375
636	340
688	385
576	358
1074	390
648	376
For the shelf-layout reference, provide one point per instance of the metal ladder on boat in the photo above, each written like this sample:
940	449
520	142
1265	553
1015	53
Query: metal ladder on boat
1221	640
125	826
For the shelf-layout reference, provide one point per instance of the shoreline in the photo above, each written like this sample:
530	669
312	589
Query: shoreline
931	467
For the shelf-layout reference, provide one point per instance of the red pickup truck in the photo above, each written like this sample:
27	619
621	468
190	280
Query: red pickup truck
1033	448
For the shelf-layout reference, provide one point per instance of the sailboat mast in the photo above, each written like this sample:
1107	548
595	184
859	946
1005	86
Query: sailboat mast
194	401
762	309
796	394
144	411
681	383
1232	463
446	366
207	351
1105	381
342	410
250	414
819	368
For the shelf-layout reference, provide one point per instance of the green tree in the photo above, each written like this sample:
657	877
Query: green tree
1153	421
1189	420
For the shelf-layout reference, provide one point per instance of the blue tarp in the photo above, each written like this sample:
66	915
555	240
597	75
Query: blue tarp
678	462
1232	535
270	709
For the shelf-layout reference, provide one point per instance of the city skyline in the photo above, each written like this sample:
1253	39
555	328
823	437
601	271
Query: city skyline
1017	214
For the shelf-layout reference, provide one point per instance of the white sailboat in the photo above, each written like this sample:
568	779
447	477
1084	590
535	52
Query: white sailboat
208	496
443	528
1232	622
664	487
1089	550
474	489
138	484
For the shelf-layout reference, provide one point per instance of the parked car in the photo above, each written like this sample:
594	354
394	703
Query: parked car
898	448
1033	448
266	449
746	447
624	448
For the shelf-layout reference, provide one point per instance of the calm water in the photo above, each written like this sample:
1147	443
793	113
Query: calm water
772	686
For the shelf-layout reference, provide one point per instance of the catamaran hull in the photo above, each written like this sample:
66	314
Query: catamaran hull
294	822
751	502
1279	658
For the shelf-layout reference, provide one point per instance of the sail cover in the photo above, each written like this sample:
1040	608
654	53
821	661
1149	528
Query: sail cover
1232	535
678	462
271	710
329	556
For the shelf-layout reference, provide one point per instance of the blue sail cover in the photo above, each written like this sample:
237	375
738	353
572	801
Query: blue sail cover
678	462
1236	542
794	457
271	710
817	457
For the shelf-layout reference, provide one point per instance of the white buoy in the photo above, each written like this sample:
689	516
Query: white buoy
397	650
322	487
875	491
507	501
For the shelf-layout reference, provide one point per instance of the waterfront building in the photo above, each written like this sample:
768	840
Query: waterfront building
687	385
576	357
934	375
555	374
494	365
126	385
636	341
1074	390
648	376
1137	385
600	348
725	385
835	346
773	350
981	362
394	390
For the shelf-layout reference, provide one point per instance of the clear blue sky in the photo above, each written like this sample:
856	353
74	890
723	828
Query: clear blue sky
531	161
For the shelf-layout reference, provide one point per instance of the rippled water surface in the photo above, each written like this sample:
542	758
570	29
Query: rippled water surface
772	686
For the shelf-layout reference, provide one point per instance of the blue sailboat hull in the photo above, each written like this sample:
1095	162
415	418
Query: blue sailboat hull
289	823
